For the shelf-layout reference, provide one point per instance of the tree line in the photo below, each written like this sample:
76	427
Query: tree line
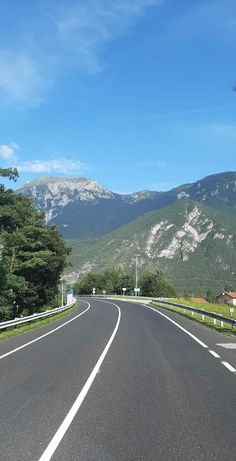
112	281
32	255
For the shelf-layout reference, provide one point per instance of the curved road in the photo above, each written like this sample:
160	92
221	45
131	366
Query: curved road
118	381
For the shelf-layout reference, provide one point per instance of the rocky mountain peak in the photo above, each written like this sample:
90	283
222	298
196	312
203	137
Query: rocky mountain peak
52	194
60	185
76	205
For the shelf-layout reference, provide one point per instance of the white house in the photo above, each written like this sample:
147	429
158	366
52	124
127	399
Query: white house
227	297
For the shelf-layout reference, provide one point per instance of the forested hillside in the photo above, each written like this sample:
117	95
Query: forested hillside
189	231
192	243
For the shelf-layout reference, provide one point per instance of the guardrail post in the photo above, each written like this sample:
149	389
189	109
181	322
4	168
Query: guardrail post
201	312
221	323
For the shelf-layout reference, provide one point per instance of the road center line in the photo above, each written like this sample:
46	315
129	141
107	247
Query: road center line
44	335
228	366
51	448
214	354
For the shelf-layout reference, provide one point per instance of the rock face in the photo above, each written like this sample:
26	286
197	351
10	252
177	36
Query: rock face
193	243
83	208
52	194
194	230
190	231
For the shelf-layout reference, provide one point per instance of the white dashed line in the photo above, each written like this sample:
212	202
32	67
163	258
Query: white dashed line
214	354
228	366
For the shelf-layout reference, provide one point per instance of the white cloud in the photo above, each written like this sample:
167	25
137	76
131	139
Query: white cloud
64	166
85	28
22	78
166	115
74	36
8	151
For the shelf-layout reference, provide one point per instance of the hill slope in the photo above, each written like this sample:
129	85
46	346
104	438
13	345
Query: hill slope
193	243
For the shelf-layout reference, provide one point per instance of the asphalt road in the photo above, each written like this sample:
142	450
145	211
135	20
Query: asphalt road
120	382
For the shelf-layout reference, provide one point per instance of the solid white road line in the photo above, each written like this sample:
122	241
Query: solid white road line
228	366
51	448
214	354
177	325
46	334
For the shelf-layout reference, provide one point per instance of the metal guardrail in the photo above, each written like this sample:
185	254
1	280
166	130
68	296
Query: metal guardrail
212	315
163	301
31	318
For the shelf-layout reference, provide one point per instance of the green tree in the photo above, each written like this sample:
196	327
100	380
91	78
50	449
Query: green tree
210	297
33	255
116	279
153	283
35	258
111	280
88	282
10	173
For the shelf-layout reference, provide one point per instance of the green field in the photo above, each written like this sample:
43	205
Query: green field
207	321
210	307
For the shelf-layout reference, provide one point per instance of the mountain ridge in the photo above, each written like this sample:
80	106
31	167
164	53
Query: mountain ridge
75	205
189	231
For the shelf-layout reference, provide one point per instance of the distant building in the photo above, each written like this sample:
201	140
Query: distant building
227	297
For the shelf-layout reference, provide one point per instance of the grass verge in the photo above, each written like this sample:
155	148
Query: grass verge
207	321
211	307
15	331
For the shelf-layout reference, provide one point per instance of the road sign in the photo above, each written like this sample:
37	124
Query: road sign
137	290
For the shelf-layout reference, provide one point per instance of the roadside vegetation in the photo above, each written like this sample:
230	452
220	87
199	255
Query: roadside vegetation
112	281
220	309
32	255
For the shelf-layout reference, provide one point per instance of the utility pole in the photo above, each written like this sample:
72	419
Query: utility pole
136	276
62	294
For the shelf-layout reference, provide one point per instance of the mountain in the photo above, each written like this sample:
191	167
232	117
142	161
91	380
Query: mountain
193	243
83	208
218	190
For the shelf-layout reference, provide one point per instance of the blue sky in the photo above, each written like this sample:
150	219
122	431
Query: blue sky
134	93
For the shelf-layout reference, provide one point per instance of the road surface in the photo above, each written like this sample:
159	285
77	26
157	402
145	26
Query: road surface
118	381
